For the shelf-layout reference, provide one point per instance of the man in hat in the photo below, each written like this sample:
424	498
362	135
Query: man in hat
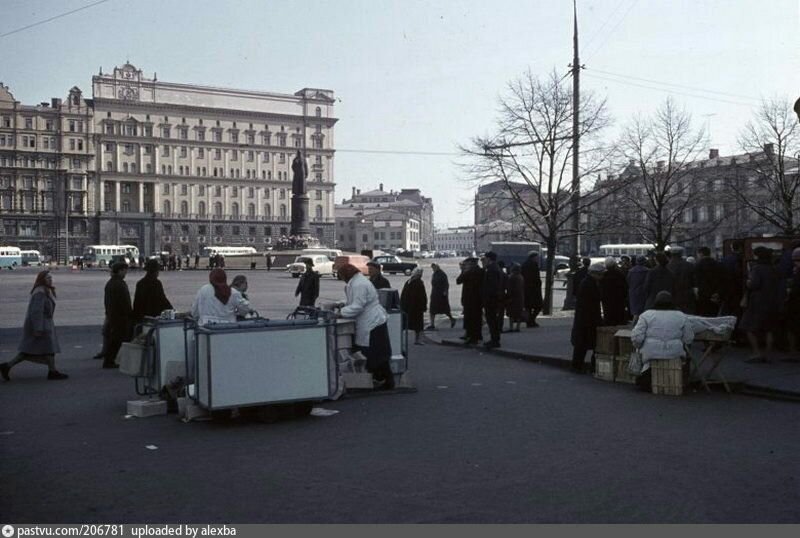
587	316
684	281
533	288
118	312
149	298
471	280
493	294
376	276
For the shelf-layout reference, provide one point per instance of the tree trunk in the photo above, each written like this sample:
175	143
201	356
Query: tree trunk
547	307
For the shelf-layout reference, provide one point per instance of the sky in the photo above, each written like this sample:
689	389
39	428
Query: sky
416	79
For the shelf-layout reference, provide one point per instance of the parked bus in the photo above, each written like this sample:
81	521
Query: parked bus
101	255
630	250
229	251
31	258
10	257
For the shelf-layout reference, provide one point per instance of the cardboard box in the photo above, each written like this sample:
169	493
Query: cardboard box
147	408
357	381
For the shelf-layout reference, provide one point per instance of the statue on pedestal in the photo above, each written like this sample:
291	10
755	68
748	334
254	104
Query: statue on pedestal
300	226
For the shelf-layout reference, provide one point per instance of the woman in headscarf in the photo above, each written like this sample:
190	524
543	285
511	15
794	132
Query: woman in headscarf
39	341
216	302
763	302
372	334
414	302
515	293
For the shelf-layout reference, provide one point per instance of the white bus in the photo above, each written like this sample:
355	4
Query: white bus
31	258
630	250
10	257
101	255
229	251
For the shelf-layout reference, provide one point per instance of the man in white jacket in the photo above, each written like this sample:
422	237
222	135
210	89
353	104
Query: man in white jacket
372	334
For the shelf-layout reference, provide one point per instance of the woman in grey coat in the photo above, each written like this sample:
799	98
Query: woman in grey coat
39	341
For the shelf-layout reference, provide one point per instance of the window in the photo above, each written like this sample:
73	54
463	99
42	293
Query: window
184	151
183	133
165	188
201	190
235	138
217	136
283	211
267	213
319	213
297	142
184	190
217	191
282	158
318	195
235	230
130	130
282	194
126	188
251	212
71	142
217	154
165	151
218	211
235	192
165	132
251	139
235	210
184	208
250	192
318	112
126	206
201	153
202	229
201	209
234	155
148	149
167	210
251	156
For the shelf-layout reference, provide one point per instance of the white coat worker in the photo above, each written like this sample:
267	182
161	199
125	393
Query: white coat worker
660	333
372	334
216	302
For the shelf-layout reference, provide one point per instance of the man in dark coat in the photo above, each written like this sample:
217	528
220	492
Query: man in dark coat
659	278
440	297
683	291
414	302
533	288
118	312
149	298
471	280
614	294
308	287
493	296
376	276
587	316
637	294
793	307
710	283
580	274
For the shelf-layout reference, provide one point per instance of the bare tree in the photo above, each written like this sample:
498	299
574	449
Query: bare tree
772	140
660	150
532	147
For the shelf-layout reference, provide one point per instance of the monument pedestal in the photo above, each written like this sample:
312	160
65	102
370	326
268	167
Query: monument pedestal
300	226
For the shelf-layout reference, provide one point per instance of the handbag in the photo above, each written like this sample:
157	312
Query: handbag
635	363
133	360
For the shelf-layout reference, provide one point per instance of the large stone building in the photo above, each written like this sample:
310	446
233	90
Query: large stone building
460	239
354	220
46	173
177	167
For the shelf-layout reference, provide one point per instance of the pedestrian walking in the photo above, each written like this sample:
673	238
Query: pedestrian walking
196	260
119	312
493	297
614	294
376	276
149	298
39	340
587	317
414	302
440	299
372	333
762	304
178	262
733	267
269	261
793	308
684	282
308	287
659	278
637	293
710	281
471	281
531	275
515	294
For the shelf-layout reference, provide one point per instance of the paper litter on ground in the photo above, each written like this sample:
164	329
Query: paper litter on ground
322	412
151	447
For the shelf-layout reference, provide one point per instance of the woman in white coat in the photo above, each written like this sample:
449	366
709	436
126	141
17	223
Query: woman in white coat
216	302
660	333
372	334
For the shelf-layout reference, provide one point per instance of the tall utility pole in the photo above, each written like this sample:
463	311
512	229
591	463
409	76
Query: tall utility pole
576	88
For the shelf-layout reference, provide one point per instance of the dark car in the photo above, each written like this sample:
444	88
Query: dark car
393	264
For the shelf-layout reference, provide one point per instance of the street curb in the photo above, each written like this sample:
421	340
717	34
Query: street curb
769	393
550	360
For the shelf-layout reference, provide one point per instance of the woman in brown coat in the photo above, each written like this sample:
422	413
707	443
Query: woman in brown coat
414	302
39	341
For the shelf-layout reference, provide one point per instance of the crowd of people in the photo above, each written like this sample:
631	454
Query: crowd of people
765	299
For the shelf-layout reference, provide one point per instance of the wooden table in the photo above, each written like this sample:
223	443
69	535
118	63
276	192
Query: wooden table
714	343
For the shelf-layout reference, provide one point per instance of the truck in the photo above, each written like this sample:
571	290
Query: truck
514	251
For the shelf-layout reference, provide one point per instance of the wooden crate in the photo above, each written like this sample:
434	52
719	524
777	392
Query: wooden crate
604	367
621	374
667	376
605	342
624	345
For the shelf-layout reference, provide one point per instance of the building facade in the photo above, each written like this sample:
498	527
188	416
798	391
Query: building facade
460	239
46	174
354	220
177	167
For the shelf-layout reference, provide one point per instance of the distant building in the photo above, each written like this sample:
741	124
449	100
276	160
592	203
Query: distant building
408	204
460	239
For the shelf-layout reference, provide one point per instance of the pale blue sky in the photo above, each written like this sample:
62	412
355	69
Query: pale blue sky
419	75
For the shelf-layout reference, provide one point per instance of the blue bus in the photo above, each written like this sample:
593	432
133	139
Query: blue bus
10	257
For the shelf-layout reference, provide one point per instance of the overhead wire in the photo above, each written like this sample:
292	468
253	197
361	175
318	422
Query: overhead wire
39	23
611	32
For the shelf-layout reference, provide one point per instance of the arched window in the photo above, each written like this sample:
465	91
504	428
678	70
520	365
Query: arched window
184	208
218	209
201	208
318	112
267	210
167	207
263	174
319	212
283	211
269	174
235	210
251	210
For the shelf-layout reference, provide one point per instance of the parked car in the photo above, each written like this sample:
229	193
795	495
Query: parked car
394	265
359	262
122	258
322	265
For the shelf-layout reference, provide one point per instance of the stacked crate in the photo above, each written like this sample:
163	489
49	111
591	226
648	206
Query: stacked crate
605	349
667	376
623	356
